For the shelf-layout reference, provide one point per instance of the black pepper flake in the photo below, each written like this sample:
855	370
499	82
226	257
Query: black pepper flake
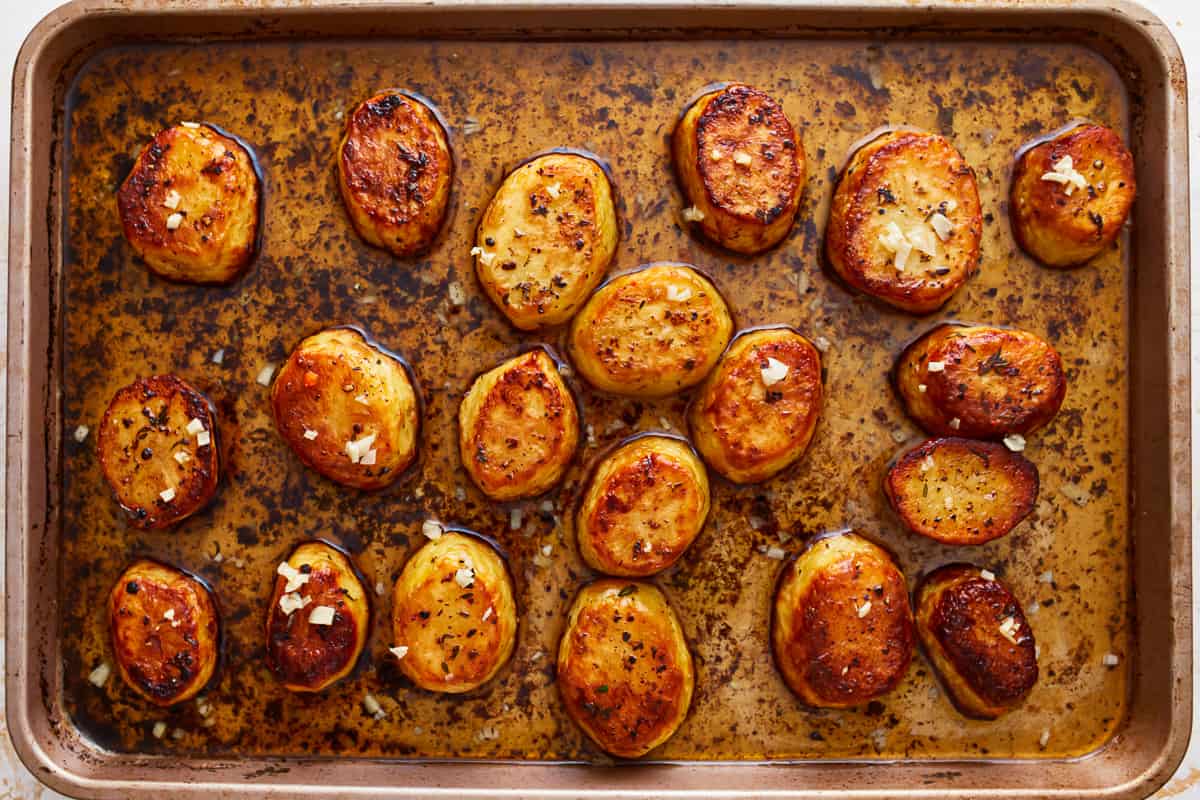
131	587
628	590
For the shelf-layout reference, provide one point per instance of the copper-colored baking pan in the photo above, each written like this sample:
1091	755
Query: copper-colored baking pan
1144	407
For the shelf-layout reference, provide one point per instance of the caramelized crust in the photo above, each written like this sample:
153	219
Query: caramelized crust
645	504
905	178
984	382
746	429
394	172
337	389
518	427
1066	230
978	640
624	670
164	629
453	608
651	332
189	208
960	491
307	656
158	471
546	239
741	164
841	624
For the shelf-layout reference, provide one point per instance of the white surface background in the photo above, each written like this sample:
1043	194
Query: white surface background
1181	16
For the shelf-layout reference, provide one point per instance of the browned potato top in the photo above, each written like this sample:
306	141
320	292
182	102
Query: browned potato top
980	381
624	670
190	206
1071	195
164	629
906	222
394	172
157	448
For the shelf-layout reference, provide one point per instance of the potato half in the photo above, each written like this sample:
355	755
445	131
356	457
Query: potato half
546	239
624	670
454	618
842	629
165	632
318	620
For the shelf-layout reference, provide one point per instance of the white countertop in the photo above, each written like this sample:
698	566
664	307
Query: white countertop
1181	16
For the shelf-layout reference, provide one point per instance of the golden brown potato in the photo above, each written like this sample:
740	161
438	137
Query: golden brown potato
842	628
157	448
960	491
650	332
905	222
454	619
165	632
979	381
546	239
318	620
977	639
347	408
518	427
644	505
758	409
394	171
741	164
1071	195
190	206
624	670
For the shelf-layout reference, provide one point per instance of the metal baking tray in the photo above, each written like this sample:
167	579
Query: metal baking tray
94	80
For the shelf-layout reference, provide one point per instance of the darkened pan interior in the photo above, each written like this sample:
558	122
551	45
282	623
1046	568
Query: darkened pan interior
613	82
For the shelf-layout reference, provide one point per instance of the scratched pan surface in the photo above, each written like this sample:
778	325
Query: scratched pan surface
505	101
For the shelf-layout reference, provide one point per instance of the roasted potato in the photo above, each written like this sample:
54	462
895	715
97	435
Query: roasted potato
1071	194
318	620
190	206
741	164
905	222
979	381
975	634
518	427
961	491
650	332
157	448
394	171
644	505
756	412
454	619
165	632
842	629
546	239
347	408
624	670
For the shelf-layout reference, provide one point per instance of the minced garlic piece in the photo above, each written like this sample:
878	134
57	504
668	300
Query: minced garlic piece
172	200
362	400
922	388
742	158
774	372
174	221
399	651
1064	173
203	439
167	494
1110	659
484	256
358	448
292	602
693	214
321	615
679	294
956	423
1045	737
927	464
369	459
864	609
194	426
894	240
923	240
432	529
455	293
554	190
264	375
1008	629
464	577
99	676
487	614
190	124
181	457
987	575
81	433
310	434
941	225
294	577
936	366
1015	442
160	729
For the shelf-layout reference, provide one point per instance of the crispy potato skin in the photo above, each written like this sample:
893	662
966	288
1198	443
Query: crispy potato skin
644	505
394	172
746	430
959	618
1062	230
995	381
307	657
904	177
624	670
631	338
748	206
518	427
166	660
830	652
452	648
344	388
143	429
218	197
546	239
961	491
